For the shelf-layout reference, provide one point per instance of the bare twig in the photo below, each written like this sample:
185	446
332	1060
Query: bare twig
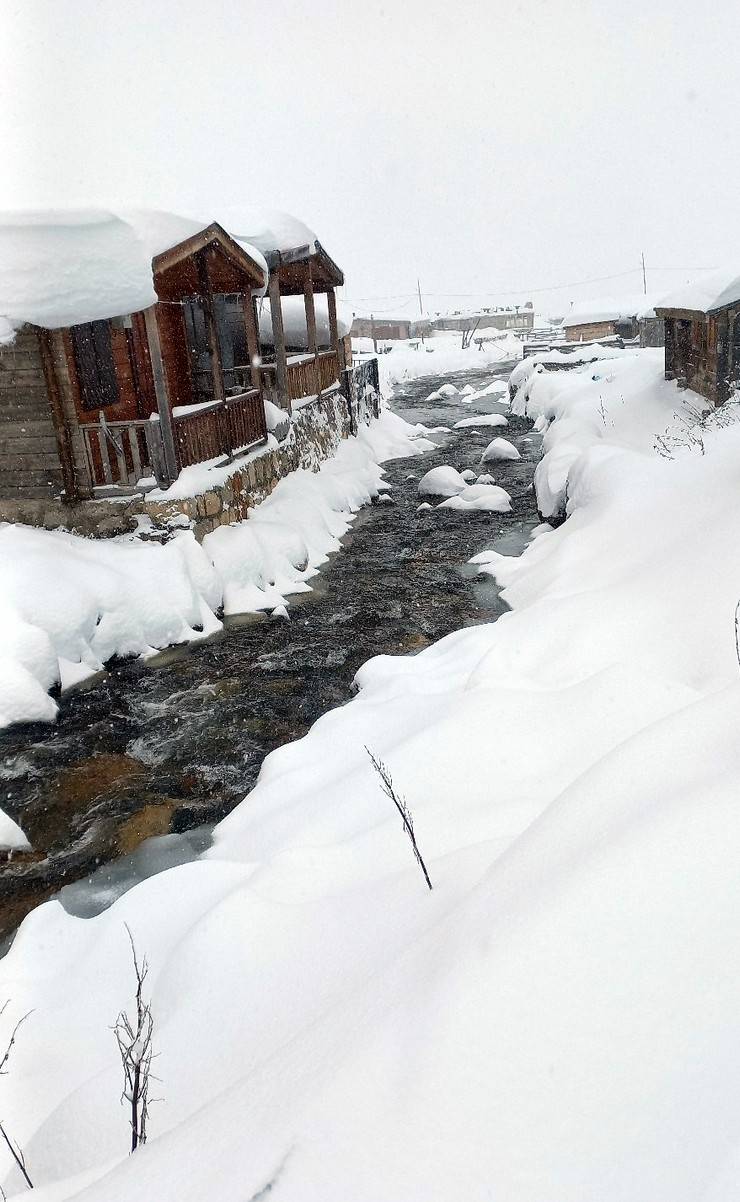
386	784
6	1055
17	1155
134	1038
737	633
13	1147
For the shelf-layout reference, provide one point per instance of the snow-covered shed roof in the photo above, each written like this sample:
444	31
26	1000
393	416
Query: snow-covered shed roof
294	320
712	291
608	309
271	231
61	268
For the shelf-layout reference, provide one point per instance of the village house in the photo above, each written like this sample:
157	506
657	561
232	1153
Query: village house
589	320
133	348
514	318
382	329
702	335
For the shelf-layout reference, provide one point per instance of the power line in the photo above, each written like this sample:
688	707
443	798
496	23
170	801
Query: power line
516	291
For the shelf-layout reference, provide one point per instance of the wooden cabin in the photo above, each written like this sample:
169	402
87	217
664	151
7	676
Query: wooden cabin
119	404
383	329
702	336
591	320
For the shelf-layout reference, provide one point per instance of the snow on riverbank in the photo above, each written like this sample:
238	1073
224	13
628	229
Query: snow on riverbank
68	604
559	1018
439	356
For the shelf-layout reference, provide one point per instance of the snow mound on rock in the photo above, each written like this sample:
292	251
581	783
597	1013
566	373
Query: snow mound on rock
443	481
486	497
500	448
482	419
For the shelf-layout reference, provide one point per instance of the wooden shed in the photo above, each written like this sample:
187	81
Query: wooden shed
591	320
702	335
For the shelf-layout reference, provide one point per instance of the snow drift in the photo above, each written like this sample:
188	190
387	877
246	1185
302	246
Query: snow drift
559	1018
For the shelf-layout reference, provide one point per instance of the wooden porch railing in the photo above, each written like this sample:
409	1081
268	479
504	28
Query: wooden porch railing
307	376
219	427
120	454
328	369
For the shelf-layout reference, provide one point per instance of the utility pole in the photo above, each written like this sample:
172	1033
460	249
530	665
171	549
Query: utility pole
644	277
372	331
421	307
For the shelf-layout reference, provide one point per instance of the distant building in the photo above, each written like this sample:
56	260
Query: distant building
484	319
702	335
382	328
604	319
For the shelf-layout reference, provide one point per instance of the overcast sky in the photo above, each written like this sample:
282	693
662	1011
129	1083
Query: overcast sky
483	147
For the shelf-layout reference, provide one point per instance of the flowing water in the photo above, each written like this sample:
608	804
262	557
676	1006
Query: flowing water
166	747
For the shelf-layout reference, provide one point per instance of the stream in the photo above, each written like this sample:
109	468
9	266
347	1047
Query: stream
146	757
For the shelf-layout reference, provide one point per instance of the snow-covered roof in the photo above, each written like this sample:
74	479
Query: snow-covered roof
269	230
294	320
711	291
607	309
62	268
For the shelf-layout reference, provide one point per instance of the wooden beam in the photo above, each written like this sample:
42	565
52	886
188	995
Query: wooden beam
278	337
331	300
61	429
160	389
214	346
311	325
253	342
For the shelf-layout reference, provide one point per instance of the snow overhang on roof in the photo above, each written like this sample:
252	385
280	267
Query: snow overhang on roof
589	312
711	292
63	268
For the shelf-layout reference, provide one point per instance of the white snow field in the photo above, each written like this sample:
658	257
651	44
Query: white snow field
68	604
440	356
559	1019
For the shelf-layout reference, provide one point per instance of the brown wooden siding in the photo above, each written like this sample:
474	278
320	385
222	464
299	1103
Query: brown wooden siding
29	460
175	354
589	329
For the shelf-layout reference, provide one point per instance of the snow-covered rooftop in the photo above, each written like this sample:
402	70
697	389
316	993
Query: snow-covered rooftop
711	291
61	268
607	309
267	230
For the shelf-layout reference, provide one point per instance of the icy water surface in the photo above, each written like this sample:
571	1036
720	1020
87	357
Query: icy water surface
171	745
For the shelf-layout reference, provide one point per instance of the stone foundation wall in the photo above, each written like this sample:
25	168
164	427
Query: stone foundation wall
315	434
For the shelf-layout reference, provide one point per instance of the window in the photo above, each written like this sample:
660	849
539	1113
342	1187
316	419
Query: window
96	370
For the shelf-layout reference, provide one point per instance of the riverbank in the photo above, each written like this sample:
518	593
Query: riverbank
557	1017
169	743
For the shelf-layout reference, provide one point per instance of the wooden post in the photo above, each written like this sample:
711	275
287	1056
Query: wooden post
278	337
253	342
214	345
160	388
372	332
311	326
331	300
61	429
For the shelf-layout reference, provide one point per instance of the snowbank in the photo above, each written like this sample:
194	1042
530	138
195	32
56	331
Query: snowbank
558	1018
68	604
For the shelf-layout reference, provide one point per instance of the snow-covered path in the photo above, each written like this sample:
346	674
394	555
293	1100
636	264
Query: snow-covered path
174	743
